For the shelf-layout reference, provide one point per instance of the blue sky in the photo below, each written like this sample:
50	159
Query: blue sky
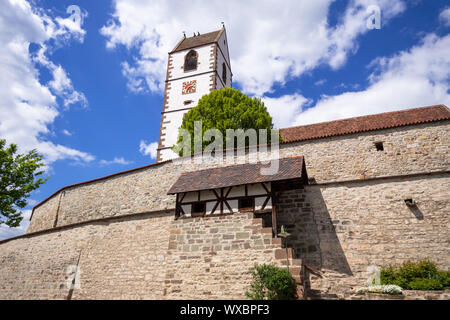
89	96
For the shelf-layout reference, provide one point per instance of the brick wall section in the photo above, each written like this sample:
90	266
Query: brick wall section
47	214
212	256
412	149
407	150
147	256
119	259
344	228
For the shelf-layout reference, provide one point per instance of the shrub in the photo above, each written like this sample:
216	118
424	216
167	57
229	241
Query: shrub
421	275
444	278
426	284
271	283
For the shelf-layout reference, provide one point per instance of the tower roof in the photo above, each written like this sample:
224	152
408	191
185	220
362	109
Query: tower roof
197	41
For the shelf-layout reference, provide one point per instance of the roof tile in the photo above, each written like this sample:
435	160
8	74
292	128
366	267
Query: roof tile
198	41
289	168
366	123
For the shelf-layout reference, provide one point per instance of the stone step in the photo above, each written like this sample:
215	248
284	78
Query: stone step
277	241
281	253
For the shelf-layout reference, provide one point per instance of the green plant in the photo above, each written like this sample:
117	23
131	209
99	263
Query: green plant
425	284
271	283
420	275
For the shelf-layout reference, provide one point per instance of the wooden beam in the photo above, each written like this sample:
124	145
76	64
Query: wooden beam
229	207
265	203
265	188
221	200
177	206
215	207
274	214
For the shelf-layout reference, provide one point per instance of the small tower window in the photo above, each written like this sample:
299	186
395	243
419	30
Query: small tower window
190	61
224	73
379	146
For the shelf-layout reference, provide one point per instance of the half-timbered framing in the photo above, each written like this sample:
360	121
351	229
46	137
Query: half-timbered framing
239	188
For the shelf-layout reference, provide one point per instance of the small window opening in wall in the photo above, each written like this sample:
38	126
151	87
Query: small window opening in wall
188	102
190	61
379	146
246	204
224	73
198	209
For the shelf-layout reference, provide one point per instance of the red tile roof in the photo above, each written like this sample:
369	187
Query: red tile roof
366	123
197	41
289	168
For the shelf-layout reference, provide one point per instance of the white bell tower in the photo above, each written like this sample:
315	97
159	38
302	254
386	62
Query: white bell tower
196	66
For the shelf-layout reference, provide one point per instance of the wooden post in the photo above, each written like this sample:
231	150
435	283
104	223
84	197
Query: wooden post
221	201
274	214
177	207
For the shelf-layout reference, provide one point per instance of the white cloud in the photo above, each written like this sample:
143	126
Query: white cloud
62	86
412	78
7	232
320	82
148	149
116	160
285	108
67	132
269	41
28	107
444	16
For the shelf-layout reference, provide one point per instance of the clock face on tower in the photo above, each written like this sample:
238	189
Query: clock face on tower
189	87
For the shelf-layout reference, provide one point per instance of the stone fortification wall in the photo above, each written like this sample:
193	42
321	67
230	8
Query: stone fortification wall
407	150
145	256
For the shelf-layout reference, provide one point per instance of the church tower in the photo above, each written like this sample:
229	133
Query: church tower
196	66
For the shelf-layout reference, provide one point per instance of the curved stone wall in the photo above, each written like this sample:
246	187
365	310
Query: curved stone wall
407	150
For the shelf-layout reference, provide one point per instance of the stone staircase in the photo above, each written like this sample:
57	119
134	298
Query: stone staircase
284	258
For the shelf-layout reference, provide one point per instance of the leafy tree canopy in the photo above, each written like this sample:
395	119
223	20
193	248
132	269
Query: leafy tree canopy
224	109
18	177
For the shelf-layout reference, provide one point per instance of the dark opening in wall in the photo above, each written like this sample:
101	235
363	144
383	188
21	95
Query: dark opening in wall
198	209
246	204
190	61
379	146
224	73
188	102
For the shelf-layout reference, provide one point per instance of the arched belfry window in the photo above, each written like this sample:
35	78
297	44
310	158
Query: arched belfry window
190	61
224	73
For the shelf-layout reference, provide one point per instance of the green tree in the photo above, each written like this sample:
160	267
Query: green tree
224	109
18	177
